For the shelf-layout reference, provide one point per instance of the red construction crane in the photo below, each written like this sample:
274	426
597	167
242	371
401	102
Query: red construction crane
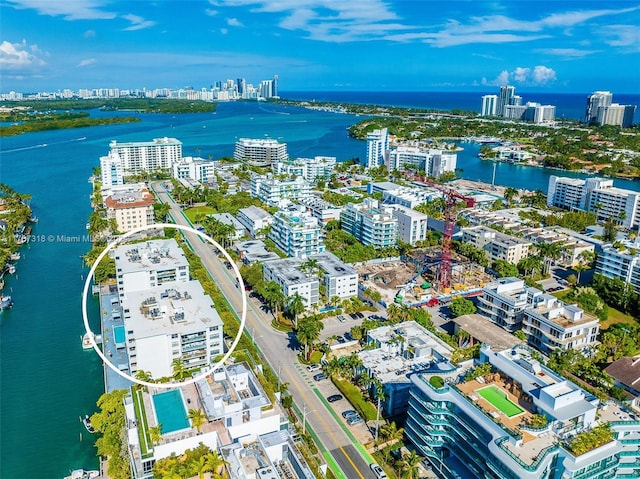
451	198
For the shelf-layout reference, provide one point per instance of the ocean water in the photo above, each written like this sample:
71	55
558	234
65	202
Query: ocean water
568	105
46	379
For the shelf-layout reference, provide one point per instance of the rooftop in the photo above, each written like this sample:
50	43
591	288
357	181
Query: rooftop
487	332
255	213
149	256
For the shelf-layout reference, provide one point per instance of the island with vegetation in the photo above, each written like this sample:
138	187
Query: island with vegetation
15	216
31	116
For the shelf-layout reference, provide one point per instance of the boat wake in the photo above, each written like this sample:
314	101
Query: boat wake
43	145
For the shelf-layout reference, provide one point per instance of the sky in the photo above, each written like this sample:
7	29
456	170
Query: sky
570	46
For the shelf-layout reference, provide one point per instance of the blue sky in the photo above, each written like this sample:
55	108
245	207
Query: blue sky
562	46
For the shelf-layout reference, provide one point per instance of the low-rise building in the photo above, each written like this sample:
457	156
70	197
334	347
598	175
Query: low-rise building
622	261
311	169
394	353
551	324
146	265
433	162
255	219
287	273
229	220
296	232
504	301
273	191
254	251
168	322
340	279
196	169
412	225
321	209
571	247
130	209
626	375
370	223
485	427
497	245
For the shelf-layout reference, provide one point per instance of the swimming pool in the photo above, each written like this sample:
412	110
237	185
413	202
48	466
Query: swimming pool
118	333
170	411
498	399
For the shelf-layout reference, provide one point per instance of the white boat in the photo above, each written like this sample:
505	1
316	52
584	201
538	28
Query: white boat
5	302
14	256
82	474
86	420
11	268
86	340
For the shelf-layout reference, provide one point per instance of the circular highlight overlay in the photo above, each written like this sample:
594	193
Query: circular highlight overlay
85	294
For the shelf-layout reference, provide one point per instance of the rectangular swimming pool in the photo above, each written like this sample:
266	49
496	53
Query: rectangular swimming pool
498	399
170	411
118	333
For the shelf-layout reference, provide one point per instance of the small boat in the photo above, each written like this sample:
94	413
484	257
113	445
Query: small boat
5	302
14	256
86	340
33	219
82	474
86	420
11	268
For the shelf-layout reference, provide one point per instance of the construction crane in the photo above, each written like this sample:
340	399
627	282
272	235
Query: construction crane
451	198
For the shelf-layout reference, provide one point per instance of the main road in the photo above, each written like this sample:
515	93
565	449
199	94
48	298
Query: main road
282	358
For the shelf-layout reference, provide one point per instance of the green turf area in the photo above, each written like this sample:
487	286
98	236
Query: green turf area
499	400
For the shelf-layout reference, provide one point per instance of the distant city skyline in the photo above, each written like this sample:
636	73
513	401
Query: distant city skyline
316	45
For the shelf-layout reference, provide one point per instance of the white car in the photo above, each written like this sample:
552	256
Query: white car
378	471
313	367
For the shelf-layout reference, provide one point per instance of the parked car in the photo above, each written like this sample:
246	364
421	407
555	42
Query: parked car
348	413
353	420
313	367
360	315
342	319
335	397
353	316
341	340
378	471
320	377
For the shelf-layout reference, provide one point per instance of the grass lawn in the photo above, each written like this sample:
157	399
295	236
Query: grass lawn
354	396
191	213
615	316
498	399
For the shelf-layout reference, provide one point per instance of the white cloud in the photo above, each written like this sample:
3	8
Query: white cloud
69	9
626	36
567	53
520	74
538	76
19	56
137	22
224	31
89	34
234	22
87	62
543	75
210	12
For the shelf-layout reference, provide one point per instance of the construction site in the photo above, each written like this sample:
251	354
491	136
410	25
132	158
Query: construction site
416	280
430	275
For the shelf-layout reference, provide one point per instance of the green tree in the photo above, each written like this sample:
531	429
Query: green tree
509	194
179	368
410	465
461	306
155	433
504	269
198	418
308	332
296	305
273	295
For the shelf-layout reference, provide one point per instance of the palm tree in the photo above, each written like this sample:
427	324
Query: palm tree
155	433
391	431
179	368
378	395
549	252
308	332
198	418
509	194
585	262
295	305
214	463
335	301
143	375
410	465
274	296
310	266
333	367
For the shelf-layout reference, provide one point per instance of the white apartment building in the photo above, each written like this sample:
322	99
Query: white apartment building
489	105
497	245
433	162
571	246
170	321
287	273
412	225
272	190
620	205
296	232
130	209
574	193
551	324
505	300
146	156
311	169
377	146
230	220
321	209
594	101
370	223
602	111
340	279
111	170
196	169
260	152
143	266
622	263
255	220
394	353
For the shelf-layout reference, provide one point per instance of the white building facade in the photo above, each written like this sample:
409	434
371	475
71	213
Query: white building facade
377	146
371	223
147	156
260	152
296	232
412	225
196	169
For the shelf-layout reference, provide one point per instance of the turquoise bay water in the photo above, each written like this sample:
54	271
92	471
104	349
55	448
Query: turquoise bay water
47	380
